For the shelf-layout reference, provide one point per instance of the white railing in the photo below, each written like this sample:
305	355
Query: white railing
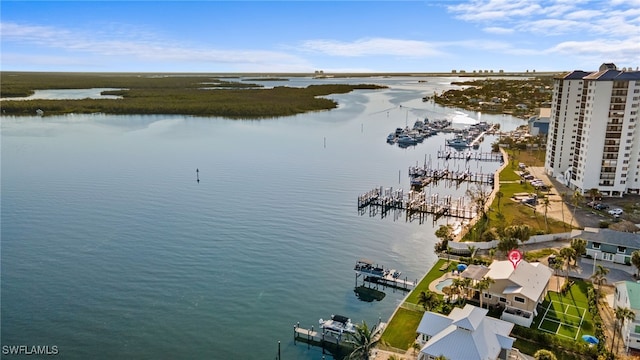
457	246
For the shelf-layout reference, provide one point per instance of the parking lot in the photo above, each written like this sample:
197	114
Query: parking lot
585	216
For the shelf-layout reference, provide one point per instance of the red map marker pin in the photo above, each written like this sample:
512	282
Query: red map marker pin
515	256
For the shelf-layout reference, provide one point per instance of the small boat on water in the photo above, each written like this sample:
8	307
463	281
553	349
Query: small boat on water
337	325
458	142
366	267
406	140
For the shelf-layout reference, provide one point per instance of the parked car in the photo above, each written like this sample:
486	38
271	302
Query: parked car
615	211
601	206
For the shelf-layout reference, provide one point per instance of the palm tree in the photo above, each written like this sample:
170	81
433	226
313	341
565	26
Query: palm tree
557	266
635	260
499	196
569	254
441	357
518	232
445	234
428	299
546	204
472	251
580	246
492	253
544	355
482	285
622	314
564	199
416	347
479	196
364	340
593	194
599	278
462	284
452	291
576	199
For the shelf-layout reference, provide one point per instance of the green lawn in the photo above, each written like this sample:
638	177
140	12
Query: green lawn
433	274
567	315
510	212
401	331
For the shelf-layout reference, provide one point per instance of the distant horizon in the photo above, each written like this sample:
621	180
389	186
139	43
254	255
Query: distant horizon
386	73
336	37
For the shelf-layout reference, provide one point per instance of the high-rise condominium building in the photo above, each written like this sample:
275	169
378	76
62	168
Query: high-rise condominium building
593	141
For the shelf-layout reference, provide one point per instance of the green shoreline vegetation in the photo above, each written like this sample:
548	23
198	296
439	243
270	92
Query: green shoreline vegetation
199	95
520	98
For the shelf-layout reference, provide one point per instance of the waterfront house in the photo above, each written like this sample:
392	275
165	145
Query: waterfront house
466	333
627	295
539	124
610	245
518	290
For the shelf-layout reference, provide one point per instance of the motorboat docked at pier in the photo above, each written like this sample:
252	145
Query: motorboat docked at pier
337	325
458	142
366	267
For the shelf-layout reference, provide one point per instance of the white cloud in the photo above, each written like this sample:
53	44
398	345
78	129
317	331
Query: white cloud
583	28
584	14
492	10
498	30
375	46
145	48
627	51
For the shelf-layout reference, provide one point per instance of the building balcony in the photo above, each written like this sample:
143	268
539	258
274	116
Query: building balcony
517	316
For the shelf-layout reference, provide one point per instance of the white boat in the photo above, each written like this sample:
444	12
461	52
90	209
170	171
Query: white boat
406	140
337	325
459	141
366	267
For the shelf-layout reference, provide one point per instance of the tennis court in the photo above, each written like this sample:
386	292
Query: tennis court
562	319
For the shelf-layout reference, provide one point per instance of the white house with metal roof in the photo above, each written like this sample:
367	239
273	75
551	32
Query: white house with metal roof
627	295
465	334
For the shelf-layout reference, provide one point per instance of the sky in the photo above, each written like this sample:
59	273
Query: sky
307	36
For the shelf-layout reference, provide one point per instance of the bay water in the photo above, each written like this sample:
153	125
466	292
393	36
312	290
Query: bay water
111	248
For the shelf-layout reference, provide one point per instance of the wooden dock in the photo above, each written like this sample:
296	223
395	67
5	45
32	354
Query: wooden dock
335	346
470	155
425	176
415	203
379	275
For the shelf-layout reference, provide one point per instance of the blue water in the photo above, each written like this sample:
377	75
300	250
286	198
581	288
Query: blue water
112	249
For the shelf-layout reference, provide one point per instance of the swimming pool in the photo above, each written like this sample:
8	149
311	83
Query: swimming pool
443	283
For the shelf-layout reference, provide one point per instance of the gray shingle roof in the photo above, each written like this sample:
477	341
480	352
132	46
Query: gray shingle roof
608	236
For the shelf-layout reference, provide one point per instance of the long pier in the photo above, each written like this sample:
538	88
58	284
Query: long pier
470	155
424	176
415	203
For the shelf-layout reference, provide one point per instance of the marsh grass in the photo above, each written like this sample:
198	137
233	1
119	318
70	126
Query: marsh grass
201	95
